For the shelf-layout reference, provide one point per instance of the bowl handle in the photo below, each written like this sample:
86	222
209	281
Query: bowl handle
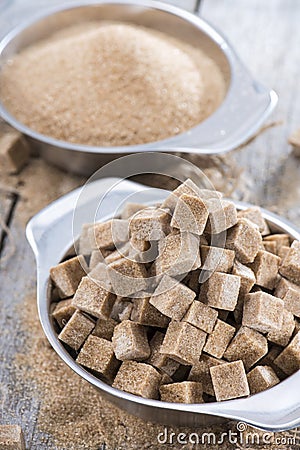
276	409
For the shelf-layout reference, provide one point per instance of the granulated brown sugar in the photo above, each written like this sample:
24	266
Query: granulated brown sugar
111	84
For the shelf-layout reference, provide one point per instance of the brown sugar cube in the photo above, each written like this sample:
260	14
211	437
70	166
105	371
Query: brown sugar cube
290	266
97	354
245	239
290	294
93	299
113	256
188	187
84	245
263	312
150	224
122	309
246	275
139	245
218	340
265	267
254	215
63	312
172	298
178	254
222	215
183	343
138	379
99	276
158	360
201	316
190	214
283	335
130	341
208	194
221	291
279	239
11	437
14	150
216	259
130	209
127	277
68	274
146	314
105	328
261	378
270	246
76	330
282	251
247	345
96	257
107	235
289	359
121	252
200	372
184	392
229	381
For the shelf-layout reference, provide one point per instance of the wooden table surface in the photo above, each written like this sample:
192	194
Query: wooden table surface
266	35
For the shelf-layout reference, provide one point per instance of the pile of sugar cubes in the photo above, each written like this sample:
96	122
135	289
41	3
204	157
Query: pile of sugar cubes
189	301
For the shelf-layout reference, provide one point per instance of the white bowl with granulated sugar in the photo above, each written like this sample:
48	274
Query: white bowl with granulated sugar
87	83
